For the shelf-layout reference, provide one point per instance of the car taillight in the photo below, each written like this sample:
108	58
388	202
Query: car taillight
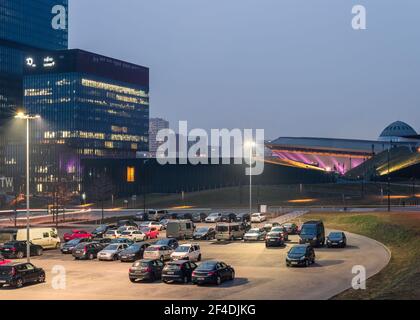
193	274
211	273
148	269
13	272
13	249
84	249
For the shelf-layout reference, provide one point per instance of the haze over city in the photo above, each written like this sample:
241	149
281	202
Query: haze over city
294	68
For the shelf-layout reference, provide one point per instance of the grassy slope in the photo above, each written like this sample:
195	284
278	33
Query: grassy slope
400	232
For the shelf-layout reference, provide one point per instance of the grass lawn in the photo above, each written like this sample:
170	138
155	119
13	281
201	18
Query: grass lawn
400	232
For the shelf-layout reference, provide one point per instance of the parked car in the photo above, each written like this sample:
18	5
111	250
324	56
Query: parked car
214	217
77	234
68	247
17	249
134	235
47	238
283	232
212	272
180	229
18	274
255	234
291	228
100	231
274	239
111	251
133	252
151	233
87	251
164	223
300	255
258	217
170	242
312	232
3	261
103	241
111	234
122	229
228	217
151	224
156	215
156	251
187	251
141	216
243	217
146	269
230	231
199	216
204	233
122	240
337	239
178	271
125	223
184	216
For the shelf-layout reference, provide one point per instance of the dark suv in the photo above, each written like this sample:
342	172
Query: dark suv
337	239
228	217
178	271
312	232
300	255
17	249
87	251
17	274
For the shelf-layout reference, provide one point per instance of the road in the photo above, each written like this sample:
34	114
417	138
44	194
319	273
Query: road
260	274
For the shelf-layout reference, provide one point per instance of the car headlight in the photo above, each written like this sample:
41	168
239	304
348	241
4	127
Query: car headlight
302	258
314	238
341	241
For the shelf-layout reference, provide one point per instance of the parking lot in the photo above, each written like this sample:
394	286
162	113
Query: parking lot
261	273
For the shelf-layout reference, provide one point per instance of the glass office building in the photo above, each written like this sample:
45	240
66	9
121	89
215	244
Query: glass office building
25	26
91	106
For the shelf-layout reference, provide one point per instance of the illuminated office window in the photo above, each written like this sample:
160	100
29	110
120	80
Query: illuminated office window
130	174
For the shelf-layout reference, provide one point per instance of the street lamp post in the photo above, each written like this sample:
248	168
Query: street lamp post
27	117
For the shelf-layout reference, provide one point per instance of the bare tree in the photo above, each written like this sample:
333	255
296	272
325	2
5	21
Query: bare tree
101	190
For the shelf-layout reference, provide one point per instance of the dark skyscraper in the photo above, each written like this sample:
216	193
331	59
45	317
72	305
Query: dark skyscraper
91	106
25	26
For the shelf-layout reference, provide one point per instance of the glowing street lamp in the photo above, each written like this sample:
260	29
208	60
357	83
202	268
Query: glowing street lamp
27	117
250	144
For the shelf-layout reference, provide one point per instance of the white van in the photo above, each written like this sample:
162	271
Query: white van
47	238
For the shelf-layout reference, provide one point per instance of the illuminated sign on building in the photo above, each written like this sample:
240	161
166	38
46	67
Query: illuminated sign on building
30	62
49	62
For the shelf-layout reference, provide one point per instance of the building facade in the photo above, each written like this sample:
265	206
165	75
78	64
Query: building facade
155	125
25	26
91	106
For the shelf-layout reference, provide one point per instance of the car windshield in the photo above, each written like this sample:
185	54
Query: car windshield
182	249
335	235
222	228
172	266
4	270
163	242
145	229
152	249
202	230
277	229
288	225
126	233
254	230
273	234
112	247
255	214
308	230
209	265
100	229
213	215
133	247
80	246
298	250
110	232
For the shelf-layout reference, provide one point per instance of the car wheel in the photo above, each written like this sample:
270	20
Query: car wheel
307	263
232	276
20	255
57	245
199	257
19	283
152	278
132	280
39	252
41	278
185	280
90	257
218	281
114	257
